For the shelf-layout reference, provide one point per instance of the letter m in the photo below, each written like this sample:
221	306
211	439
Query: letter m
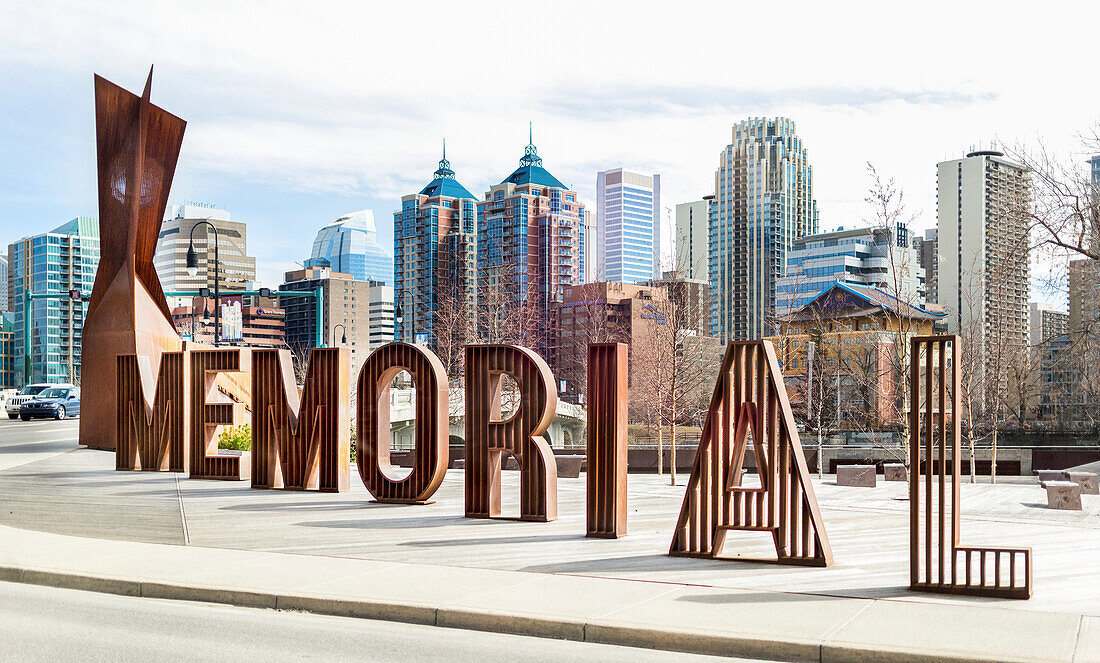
152	436
301	443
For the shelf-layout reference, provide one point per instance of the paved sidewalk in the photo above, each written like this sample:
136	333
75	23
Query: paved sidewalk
706	620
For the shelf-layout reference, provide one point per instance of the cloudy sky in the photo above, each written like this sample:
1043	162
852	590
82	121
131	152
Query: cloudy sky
299	112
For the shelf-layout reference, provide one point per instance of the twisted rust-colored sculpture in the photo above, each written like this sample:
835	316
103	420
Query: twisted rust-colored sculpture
152	435
605	479
210	409
301	443
137	145
750	398
938	428
488	438
430	455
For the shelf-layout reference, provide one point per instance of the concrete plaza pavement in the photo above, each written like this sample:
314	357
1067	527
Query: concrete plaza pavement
342	554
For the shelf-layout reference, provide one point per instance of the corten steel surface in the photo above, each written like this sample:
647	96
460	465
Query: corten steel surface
301	443
605	499
937	561
430	455
207	415
137	145
488	438
750	398
152	419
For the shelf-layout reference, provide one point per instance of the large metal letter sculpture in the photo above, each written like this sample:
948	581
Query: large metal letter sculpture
301	444
488	438
208	415
137	145
432	423
606	474
1011	567
750	396
152	434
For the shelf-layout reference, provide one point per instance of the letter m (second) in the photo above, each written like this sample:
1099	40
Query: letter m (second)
300	442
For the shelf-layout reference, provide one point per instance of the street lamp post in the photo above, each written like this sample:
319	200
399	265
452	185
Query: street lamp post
193	268
343	334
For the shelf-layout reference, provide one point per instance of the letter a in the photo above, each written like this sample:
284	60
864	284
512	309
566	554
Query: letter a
750	397
488	438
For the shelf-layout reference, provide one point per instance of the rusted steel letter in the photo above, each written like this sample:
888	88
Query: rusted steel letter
301	443
488	438
207	416
151	435
606	474
373	432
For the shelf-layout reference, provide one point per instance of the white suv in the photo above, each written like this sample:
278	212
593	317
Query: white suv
28	392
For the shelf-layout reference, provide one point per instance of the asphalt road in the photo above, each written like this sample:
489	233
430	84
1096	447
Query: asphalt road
28	441
49	624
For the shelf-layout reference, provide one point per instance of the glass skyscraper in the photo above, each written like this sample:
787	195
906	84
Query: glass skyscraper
58	261
530	234
628	226
434	246
349	245
765	200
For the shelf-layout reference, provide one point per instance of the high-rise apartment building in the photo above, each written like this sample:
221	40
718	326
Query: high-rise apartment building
591	264
435	256
4	304
927	248
530	242
237	267
628	226
877	257
982	202
361	311
765	201
349	245
59	261
692	229
1045	323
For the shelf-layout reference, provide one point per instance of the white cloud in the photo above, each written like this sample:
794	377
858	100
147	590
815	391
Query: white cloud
354	97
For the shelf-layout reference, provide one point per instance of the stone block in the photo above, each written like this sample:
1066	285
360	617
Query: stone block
861	476
1087	481
1050	475
510	463
569	467
894	472
1064	495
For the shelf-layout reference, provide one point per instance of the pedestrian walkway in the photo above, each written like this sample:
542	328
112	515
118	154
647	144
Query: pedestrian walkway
70	520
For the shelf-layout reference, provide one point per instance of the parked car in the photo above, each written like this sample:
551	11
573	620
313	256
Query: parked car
28	392
55	402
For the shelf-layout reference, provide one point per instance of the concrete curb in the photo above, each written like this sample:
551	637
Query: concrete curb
563	628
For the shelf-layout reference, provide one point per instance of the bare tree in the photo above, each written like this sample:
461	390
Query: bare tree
676	364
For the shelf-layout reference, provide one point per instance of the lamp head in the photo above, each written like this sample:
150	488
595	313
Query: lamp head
192	260
343	338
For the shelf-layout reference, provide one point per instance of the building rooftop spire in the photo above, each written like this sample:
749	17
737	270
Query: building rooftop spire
530	154
444	169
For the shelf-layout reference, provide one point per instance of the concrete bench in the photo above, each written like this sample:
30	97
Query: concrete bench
1050	475
861	476
510	463
1087	481
569	467
894	472
458	464
1064	495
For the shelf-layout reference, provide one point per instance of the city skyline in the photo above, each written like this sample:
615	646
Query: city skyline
312	143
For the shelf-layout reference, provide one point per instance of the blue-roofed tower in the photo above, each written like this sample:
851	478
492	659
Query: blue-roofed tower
434	246
530	239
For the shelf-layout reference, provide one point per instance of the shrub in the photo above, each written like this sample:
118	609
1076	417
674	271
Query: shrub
237	438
